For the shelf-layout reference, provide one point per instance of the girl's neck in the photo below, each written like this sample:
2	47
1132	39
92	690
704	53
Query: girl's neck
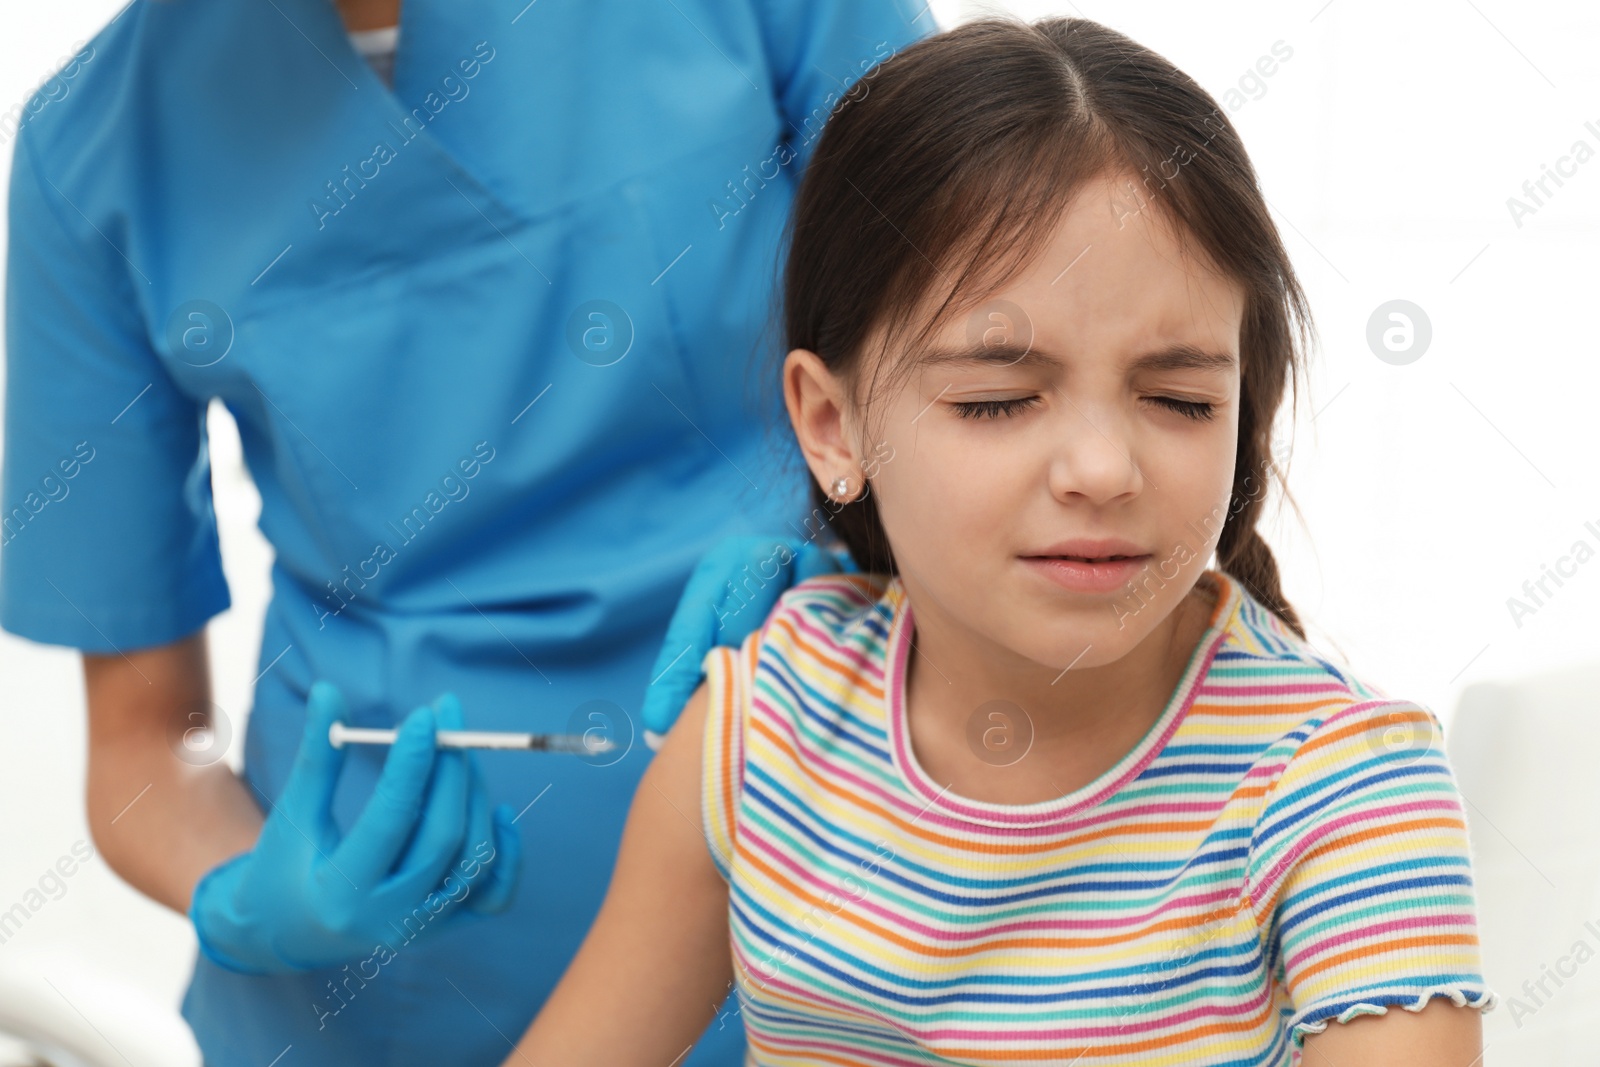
1083	721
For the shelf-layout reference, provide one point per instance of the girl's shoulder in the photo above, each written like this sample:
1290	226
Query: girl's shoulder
835	618
1355	854
1287	709
816	656
839	600
1258	657
1311	728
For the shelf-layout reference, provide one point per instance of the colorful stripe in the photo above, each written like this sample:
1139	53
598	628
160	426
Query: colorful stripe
1285	847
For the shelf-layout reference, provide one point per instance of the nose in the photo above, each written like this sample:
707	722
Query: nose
1093	457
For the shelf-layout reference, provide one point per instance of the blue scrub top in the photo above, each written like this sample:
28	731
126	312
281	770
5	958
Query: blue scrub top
493	340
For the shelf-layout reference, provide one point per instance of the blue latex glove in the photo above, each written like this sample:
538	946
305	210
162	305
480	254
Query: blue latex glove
733	589
302	898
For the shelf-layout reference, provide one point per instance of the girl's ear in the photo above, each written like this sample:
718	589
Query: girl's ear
819	411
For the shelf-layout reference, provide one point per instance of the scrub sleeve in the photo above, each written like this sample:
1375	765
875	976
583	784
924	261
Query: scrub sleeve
109	538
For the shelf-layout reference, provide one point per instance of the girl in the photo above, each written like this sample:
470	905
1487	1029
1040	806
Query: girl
1036	785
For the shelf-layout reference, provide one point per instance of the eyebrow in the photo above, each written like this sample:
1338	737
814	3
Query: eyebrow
1179	356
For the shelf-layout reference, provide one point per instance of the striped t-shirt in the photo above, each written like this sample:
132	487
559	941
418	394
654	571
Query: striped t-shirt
1285	847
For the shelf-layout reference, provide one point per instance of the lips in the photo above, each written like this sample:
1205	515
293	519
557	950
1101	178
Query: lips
1093	551
1088	566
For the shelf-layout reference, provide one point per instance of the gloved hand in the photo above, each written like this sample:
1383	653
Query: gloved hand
733	589
302	898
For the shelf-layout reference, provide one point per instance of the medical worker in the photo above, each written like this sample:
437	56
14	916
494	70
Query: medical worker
484	309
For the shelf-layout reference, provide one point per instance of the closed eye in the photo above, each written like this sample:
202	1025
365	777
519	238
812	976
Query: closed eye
991	409
1199	410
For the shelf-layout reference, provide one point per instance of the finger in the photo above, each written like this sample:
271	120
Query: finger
307	796
666	696
369	850
752	591
812	560
505	873
443	825
730	594
459	886
477	854
755	573
690	635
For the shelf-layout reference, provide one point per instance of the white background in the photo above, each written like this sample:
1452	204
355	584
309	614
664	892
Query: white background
1387	145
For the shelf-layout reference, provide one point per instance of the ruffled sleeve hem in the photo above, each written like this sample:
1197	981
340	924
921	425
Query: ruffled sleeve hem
1463	994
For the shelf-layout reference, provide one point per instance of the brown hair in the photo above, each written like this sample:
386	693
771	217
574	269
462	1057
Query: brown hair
944	167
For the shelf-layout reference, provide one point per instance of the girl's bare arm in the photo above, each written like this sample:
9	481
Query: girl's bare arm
656	964
1440	1035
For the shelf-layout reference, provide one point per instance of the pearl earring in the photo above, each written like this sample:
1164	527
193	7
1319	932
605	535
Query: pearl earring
841	488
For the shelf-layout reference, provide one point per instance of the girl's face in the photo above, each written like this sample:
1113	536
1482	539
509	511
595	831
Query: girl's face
1089	409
